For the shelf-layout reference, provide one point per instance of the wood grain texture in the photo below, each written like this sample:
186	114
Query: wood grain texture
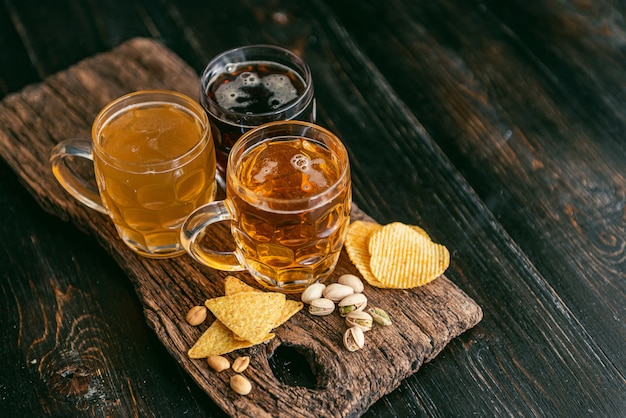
533	118
425	319
468	117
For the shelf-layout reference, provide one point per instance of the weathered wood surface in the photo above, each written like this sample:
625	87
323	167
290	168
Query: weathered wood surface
425	319
498	126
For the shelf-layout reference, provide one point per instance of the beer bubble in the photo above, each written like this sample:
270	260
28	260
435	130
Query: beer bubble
249	79
313	178
300	162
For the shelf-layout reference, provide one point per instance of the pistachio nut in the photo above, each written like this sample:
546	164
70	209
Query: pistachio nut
360	319
352	281
321	307
379	316
337	291
312	292
351	303
353	338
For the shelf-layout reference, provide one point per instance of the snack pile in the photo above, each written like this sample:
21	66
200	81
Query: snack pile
395	256
245	317
392	256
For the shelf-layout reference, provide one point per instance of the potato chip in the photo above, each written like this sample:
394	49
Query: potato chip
403	257
357	247
419	231
218	340
249	315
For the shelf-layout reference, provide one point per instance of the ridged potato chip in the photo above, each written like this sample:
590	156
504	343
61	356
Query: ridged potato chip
403	257
396	255
357	247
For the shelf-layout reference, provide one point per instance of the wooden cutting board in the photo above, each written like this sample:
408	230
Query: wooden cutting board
425	319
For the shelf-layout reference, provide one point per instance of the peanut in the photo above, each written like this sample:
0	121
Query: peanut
240	384
241	363
196	315
218	363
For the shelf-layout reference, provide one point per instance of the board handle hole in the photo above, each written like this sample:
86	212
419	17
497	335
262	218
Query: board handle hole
291	365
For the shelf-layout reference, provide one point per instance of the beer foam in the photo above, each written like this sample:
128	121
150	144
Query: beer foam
268	168
249	79
281	87
231	95
236	94
304	164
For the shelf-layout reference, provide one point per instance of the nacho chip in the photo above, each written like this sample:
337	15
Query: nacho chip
249	315
403	257
290	308
218	340
233	285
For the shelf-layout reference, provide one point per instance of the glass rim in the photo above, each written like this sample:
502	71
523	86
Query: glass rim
300	67
147	97
260	135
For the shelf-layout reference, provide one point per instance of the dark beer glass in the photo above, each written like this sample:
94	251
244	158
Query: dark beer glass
249	86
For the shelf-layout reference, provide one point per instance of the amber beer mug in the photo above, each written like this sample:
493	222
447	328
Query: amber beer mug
154	163
245	87
288	201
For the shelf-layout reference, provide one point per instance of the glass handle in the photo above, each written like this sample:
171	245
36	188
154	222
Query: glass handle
193	230
81	189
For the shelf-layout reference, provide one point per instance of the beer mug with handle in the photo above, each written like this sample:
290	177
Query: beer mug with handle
288	202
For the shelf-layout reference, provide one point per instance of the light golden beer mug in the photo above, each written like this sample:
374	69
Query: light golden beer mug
154	163
288	201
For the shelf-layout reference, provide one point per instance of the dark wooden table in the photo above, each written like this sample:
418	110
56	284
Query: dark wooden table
499	127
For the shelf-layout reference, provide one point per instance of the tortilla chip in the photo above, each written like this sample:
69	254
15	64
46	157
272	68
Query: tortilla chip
249	315
233	285
218	340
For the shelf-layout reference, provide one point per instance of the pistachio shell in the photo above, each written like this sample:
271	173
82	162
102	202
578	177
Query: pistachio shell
321	307
337	291
360	319
353	339
352	281
379	316
312	292
351	303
